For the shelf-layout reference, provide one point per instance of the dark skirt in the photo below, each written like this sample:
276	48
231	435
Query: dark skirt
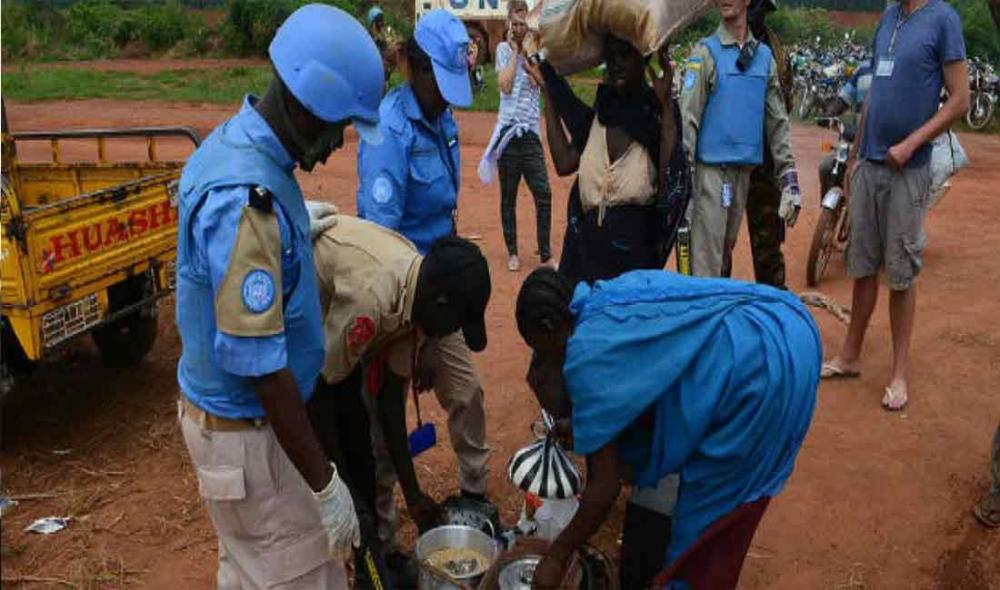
627	240
715	560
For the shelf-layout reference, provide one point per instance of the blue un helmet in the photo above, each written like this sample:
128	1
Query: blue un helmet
444	39
373	13
331	65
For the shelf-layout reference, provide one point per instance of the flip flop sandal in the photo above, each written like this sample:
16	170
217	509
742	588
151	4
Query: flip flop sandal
832	371
990	518
890	396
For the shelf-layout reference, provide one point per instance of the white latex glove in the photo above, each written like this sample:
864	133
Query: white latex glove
791	197
322	216
336	510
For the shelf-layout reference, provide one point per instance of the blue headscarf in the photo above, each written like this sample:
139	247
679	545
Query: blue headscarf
727	370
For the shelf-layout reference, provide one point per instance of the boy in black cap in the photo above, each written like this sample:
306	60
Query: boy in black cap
382	301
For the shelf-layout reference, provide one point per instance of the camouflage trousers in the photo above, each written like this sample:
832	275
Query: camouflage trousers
989	507
995	488
766	228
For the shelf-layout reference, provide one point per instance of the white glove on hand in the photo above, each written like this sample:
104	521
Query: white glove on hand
336	511
791	197
322	216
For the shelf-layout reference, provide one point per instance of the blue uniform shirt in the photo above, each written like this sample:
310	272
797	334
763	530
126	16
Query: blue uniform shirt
409	182
906	94
214	235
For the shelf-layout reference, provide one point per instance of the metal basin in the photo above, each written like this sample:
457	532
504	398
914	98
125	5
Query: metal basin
517	574
453	536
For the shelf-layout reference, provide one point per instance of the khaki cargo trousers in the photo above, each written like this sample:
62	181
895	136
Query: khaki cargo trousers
715	225
264	514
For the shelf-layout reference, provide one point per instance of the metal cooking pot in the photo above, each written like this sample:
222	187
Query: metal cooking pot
596	571
452	536
517	574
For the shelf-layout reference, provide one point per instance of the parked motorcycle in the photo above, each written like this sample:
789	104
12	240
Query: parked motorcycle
832	228
983	85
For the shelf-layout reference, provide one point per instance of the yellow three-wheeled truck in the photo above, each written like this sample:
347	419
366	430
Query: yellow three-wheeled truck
85	247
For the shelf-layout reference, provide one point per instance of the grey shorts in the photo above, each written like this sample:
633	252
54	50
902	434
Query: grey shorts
887	211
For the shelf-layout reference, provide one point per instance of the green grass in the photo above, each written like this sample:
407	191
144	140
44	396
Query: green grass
218	85
222	85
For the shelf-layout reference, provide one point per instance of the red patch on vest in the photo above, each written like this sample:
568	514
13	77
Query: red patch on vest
361	333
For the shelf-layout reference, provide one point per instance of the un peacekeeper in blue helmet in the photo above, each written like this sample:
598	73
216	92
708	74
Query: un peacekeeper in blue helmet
248	309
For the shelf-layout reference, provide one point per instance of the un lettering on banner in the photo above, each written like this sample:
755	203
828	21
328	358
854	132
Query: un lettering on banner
572	31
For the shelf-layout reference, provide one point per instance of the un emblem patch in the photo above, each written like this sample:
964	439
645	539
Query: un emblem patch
258	291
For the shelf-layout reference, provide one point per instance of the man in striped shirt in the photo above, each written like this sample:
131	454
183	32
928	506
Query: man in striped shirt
516	139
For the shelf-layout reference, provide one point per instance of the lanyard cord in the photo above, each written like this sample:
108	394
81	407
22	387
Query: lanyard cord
900	19
413	373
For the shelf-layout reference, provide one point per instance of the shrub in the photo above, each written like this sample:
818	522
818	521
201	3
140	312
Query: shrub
163	26
251	23
98	25
30	29
982	38
804	25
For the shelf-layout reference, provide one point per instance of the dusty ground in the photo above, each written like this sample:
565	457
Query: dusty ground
877	500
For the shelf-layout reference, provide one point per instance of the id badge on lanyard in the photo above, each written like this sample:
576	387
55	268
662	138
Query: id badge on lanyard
884	67
888	61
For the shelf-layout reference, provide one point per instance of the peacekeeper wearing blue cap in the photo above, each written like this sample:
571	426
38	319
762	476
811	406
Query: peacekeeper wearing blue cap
409	183
248	310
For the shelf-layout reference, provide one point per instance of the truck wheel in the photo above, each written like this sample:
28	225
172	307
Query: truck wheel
6	379
124	342
13	360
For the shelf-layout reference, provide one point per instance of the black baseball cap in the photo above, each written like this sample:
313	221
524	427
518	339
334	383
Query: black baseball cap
458	269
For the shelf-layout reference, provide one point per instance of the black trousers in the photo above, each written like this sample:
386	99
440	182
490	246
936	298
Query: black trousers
645	539
340	420
523	157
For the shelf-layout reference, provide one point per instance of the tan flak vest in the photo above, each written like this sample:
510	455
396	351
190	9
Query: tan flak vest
630	180
367	276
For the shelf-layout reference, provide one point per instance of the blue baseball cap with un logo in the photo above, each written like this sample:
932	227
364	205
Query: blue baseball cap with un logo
444	39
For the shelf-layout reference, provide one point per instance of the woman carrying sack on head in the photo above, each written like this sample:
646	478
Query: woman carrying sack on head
632	184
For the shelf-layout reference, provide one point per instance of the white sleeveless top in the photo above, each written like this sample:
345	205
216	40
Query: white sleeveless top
629	180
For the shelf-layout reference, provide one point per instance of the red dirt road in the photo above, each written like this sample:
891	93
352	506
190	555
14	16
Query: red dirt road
877	500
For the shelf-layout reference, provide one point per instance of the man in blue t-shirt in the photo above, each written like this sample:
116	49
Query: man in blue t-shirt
918	50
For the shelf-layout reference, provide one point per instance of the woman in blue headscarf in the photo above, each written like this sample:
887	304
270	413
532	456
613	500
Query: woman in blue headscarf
660	373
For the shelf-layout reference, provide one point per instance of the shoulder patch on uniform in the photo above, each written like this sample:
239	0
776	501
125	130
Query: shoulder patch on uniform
258	291
361	333
382	190
248	301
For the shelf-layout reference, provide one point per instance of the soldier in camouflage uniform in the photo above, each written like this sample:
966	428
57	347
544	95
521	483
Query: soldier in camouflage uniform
766	228
988	509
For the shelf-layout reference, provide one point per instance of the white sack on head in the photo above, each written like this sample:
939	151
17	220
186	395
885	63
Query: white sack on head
572	31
